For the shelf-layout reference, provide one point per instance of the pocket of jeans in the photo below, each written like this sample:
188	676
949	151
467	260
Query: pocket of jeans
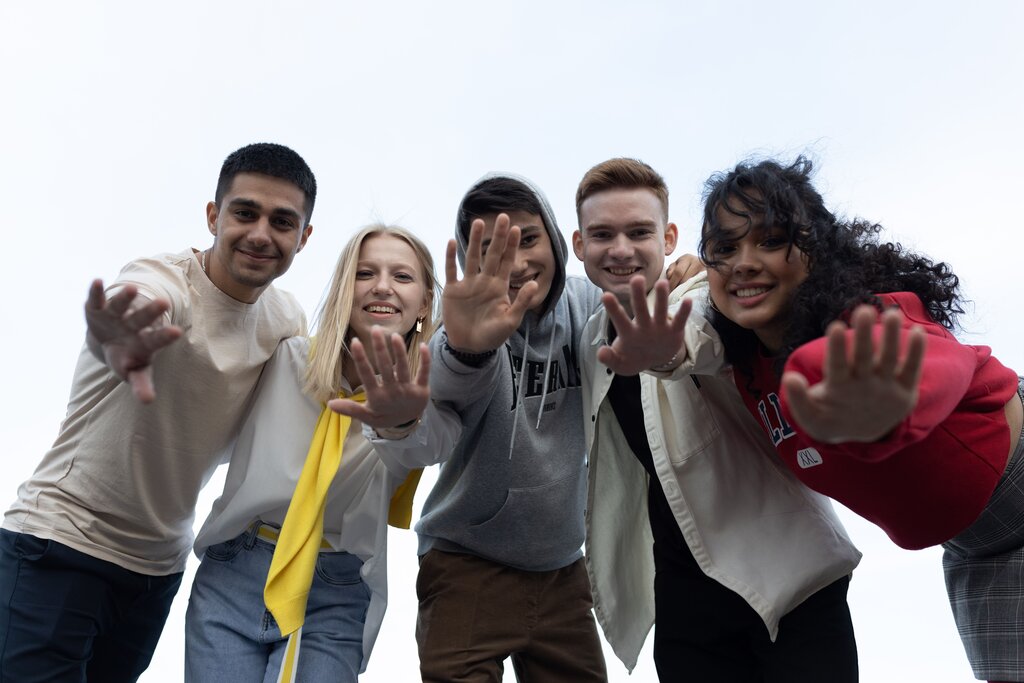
339	568
31	548
222	552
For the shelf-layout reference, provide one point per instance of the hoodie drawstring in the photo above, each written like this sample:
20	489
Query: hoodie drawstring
516	386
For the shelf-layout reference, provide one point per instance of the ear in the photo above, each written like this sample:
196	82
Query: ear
211	218
577	244
306	232
671	237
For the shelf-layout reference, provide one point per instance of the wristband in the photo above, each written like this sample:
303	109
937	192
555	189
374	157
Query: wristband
475	359
668	365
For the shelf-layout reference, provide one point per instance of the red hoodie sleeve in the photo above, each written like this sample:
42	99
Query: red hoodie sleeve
949	373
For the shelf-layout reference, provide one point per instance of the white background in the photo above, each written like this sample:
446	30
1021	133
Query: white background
115	117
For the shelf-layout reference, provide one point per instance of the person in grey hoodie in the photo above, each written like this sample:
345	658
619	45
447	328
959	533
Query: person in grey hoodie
501	570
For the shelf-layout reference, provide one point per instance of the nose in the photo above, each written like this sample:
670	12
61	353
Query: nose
746	260
259	232
621	248
382	286
520	264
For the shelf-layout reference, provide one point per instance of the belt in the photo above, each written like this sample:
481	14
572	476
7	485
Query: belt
270	534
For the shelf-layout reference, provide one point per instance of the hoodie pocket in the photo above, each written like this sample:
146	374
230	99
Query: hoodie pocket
538	527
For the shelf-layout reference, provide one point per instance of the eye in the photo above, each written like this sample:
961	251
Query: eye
774	241
244	214
640	233
527	240
364	274
403	277
722	249
284	223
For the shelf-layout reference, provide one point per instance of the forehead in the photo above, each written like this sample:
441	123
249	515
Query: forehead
268	191
384	247
622	206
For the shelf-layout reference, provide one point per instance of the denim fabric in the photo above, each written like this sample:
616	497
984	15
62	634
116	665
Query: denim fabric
231	637
68	617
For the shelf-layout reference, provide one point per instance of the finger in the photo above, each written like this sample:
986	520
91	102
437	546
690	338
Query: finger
796	394
451	273
682	314
889	353
96	300
157	338
661	315
476	237
363	365
836	367
863	346
382	359
510	253
423	373
497	249
617	314
524	300
354	409
119	303
141	381
913	363
638	300
401	356
146	315
607	356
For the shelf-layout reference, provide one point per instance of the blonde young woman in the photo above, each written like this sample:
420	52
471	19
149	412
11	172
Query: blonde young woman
372	324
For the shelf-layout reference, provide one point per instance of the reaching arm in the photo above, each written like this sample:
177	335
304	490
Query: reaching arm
650	340
394	399
867	390
126	333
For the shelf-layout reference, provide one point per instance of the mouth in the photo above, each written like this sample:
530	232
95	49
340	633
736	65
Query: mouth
257	256
622	271
380	309
516	285
747	292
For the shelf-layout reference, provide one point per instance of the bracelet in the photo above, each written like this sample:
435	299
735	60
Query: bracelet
398	431
668	365
467	357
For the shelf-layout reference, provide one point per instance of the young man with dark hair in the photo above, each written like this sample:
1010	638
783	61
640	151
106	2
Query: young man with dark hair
93	549
501	569
692	523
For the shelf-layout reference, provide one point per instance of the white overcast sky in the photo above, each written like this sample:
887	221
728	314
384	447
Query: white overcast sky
116	117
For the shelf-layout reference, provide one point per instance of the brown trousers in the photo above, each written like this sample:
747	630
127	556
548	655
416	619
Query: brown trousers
475	613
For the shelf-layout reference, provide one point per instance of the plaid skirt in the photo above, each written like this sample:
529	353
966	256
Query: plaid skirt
984	570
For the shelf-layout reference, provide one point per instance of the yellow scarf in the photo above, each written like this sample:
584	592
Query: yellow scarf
291	568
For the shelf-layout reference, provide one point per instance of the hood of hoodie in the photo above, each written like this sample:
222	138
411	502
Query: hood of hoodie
558	244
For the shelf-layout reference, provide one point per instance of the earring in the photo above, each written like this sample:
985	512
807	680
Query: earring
419	325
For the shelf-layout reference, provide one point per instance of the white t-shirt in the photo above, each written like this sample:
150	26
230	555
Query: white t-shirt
121	481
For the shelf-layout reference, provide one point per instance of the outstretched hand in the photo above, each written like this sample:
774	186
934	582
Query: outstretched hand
393	396
478	313
648	340
866	391
127	336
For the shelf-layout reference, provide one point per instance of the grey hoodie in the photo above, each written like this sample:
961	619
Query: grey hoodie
514	489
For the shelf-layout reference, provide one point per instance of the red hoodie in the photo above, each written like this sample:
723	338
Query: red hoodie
933	475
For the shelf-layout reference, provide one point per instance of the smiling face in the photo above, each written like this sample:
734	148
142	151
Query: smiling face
390	288
622	234
535	259
755	276
258	227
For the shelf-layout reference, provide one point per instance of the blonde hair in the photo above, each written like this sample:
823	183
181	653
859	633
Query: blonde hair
329	353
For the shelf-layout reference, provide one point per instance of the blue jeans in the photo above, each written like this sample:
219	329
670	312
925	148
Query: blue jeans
231	637
68	617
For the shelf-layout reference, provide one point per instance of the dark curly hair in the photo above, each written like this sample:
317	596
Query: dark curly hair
847	264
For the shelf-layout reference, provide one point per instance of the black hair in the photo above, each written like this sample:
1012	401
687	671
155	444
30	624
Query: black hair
495	195
270	159
847	263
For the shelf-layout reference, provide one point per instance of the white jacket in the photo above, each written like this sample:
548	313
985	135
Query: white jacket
749	523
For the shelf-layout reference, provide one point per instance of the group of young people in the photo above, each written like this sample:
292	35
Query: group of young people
687	426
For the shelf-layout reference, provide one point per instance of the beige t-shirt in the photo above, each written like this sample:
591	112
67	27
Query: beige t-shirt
121	481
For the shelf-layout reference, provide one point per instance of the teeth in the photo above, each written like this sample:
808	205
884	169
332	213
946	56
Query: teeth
751	291
381	309
621	271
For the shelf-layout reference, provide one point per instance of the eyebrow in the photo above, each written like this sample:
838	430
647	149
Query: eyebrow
633	224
